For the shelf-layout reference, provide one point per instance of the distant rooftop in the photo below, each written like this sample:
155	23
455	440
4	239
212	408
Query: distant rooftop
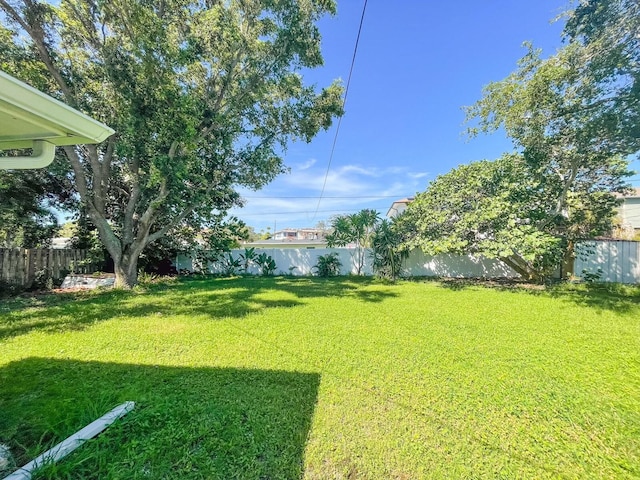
398	206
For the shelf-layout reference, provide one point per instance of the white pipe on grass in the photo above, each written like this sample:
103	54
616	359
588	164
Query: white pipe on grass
67	446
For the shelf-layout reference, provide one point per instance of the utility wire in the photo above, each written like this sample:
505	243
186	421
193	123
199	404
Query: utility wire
344	102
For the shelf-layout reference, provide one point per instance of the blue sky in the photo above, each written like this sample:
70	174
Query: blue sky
418	64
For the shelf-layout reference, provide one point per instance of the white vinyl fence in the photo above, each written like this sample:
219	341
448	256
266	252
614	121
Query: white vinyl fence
608	261
455	266
417	265
600	260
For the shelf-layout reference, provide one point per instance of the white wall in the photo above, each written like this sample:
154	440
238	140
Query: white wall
417	265
618	261
614	260
458	266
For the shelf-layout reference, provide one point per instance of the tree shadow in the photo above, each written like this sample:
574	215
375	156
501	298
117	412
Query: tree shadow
187	423
600	296
216	298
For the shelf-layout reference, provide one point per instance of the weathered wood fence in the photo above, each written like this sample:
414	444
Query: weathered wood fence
21	267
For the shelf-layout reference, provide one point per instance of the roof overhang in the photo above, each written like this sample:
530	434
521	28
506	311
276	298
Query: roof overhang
32	119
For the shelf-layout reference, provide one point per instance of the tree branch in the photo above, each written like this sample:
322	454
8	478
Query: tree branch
36	33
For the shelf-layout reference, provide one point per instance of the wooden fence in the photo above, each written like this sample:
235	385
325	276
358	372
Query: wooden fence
21	267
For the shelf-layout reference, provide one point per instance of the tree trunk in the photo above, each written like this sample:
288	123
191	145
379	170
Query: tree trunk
568	261
520	266
126	269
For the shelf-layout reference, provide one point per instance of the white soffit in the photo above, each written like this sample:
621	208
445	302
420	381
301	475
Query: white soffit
26	115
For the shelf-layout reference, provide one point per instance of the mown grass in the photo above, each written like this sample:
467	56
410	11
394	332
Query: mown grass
262	378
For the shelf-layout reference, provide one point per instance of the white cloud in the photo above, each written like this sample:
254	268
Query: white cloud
306	165
372	187
418	175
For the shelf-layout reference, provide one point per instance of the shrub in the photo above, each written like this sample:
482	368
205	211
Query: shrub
328	265
248	257
266	264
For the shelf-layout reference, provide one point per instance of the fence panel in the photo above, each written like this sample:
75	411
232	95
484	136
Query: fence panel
417	265
608	261
20	267
303	259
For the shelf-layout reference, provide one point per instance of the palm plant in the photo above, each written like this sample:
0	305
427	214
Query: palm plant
266	263
247	257
386	253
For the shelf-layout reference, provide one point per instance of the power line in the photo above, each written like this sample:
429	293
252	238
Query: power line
344	102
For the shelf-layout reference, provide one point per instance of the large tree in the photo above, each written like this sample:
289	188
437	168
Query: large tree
204	97
500	209
575	115
575	110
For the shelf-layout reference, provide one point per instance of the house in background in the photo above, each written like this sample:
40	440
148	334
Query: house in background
398	207
629	213
292	238
293	234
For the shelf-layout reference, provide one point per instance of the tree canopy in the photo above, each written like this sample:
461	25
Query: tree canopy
27	201
575	119
500	209
204	97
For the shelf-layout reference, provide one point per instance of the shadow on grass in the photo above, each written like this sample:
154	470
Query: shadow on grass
188	422
600	296
215	297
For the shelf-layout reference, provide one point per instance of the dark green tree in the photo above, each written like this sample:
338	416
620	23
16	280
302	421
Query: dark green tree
575	117
25	220
501	209
204	97
27	201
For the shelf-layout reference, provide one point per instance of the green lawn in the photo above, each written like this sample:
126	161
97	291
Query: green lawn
268	378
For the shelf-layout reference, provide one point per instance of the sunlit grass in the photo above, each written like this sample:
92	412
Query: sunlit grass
337	378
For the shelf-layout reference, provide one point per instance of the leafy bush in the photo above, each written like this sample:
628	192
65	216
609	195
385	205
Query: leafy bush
229	264
328	265
266	264
592	277
248	257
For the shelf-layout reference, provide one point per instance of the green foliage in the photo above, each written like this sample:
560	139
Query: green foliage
495	209
328	265
26	221
354	229
229	263
247	257
387	251
67	230
606	32
205	97
266	264
574	116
